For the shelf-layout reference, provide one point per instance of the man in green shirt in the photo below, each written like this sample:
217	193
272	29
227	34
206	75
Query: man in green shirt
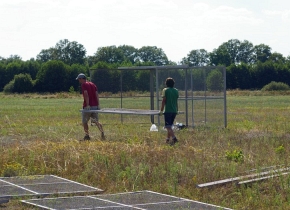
169	108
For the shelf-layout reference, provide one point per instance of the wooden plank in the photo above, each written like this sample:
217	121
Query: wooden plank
236	179
262	178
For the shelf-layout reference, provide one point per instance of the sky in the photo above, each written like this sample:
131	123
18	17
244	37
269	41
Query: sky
175	26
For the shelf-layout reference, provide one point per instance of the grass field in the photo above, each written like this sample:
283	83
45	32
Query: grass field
39	134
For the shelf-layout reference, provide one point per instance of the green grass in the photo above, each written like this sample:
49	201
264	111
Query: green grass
39	134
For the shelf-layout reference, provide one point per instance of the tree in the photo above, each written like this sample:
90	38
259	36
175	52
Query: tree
233	48
264	73
198	79
31	67
143	80
220	56
13	68
77	53
197	58
73	71
239	76
233	52
22	83
47	55
66	51
110	55
52	77
277	58
90	60
105	77
10	59
246	53
70	52
152	54
3	78
262	52
130	53
283	72
214	81
129	80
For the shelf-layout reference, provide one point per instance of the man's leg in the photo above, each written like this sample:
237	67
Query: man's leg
169	120
100	126
85	119
86	128
170	132
95	119
168	126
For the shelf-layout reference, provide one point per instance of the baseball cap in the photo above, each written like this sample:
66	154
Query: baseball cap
81	76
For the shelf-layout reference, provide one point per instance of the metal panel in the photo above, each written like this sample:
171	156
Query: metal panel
41	185
139	197
130	200
77	202
126	111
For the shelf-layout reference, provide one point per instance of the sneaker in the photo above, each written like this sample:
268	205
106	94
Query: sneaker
167	141
103	136
174	141
87	137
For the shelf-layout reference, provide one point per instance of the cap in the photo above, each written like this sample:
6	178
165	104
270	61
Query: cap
81	76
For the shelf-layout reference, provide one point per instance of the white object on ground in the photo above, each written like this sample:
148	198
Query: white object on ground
153	128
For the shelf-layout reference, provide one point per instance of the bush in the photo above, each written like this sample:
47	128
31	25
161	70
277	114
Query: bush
53	77
22	83
275	86
8	88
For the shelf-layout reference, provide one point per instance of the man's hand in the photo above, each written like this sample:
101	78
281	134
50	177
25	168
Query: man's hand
87	108
160	113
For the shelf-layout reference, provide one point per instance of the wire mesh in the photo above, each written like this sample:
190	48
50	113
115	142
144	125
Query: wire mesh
41	185
202	92
141	200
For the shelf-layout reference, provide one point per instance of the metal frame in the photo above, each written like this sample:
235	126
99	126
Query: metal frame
21	186
141	200
154	70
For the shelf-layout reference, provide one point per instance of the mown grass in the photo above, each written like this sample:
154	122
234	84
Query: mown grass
39	134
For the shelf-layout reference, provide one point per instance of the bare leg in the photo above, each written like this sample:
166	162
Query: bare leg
170	132
86	128
100	127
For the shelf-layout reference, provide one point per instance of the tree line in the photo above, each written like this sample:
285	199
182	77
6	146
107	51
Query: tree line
248	66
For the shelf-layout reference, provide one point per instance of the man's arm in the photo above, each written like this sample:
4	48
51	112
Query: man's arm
163	100
163	104
86	97
97	98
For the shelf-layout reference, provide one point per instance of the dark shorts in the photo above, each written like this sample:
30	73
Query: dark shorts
169	119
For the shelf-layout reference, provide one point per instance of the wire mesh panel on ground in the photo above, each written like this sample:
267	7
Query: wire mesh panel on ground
41	185
130	200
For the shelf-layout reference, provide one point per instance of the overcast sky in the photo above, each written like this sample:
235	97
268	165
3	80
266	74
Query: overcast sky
176	26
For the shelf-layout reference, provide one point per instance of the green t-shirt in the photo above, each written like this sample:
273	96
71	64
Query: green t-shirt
171	95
